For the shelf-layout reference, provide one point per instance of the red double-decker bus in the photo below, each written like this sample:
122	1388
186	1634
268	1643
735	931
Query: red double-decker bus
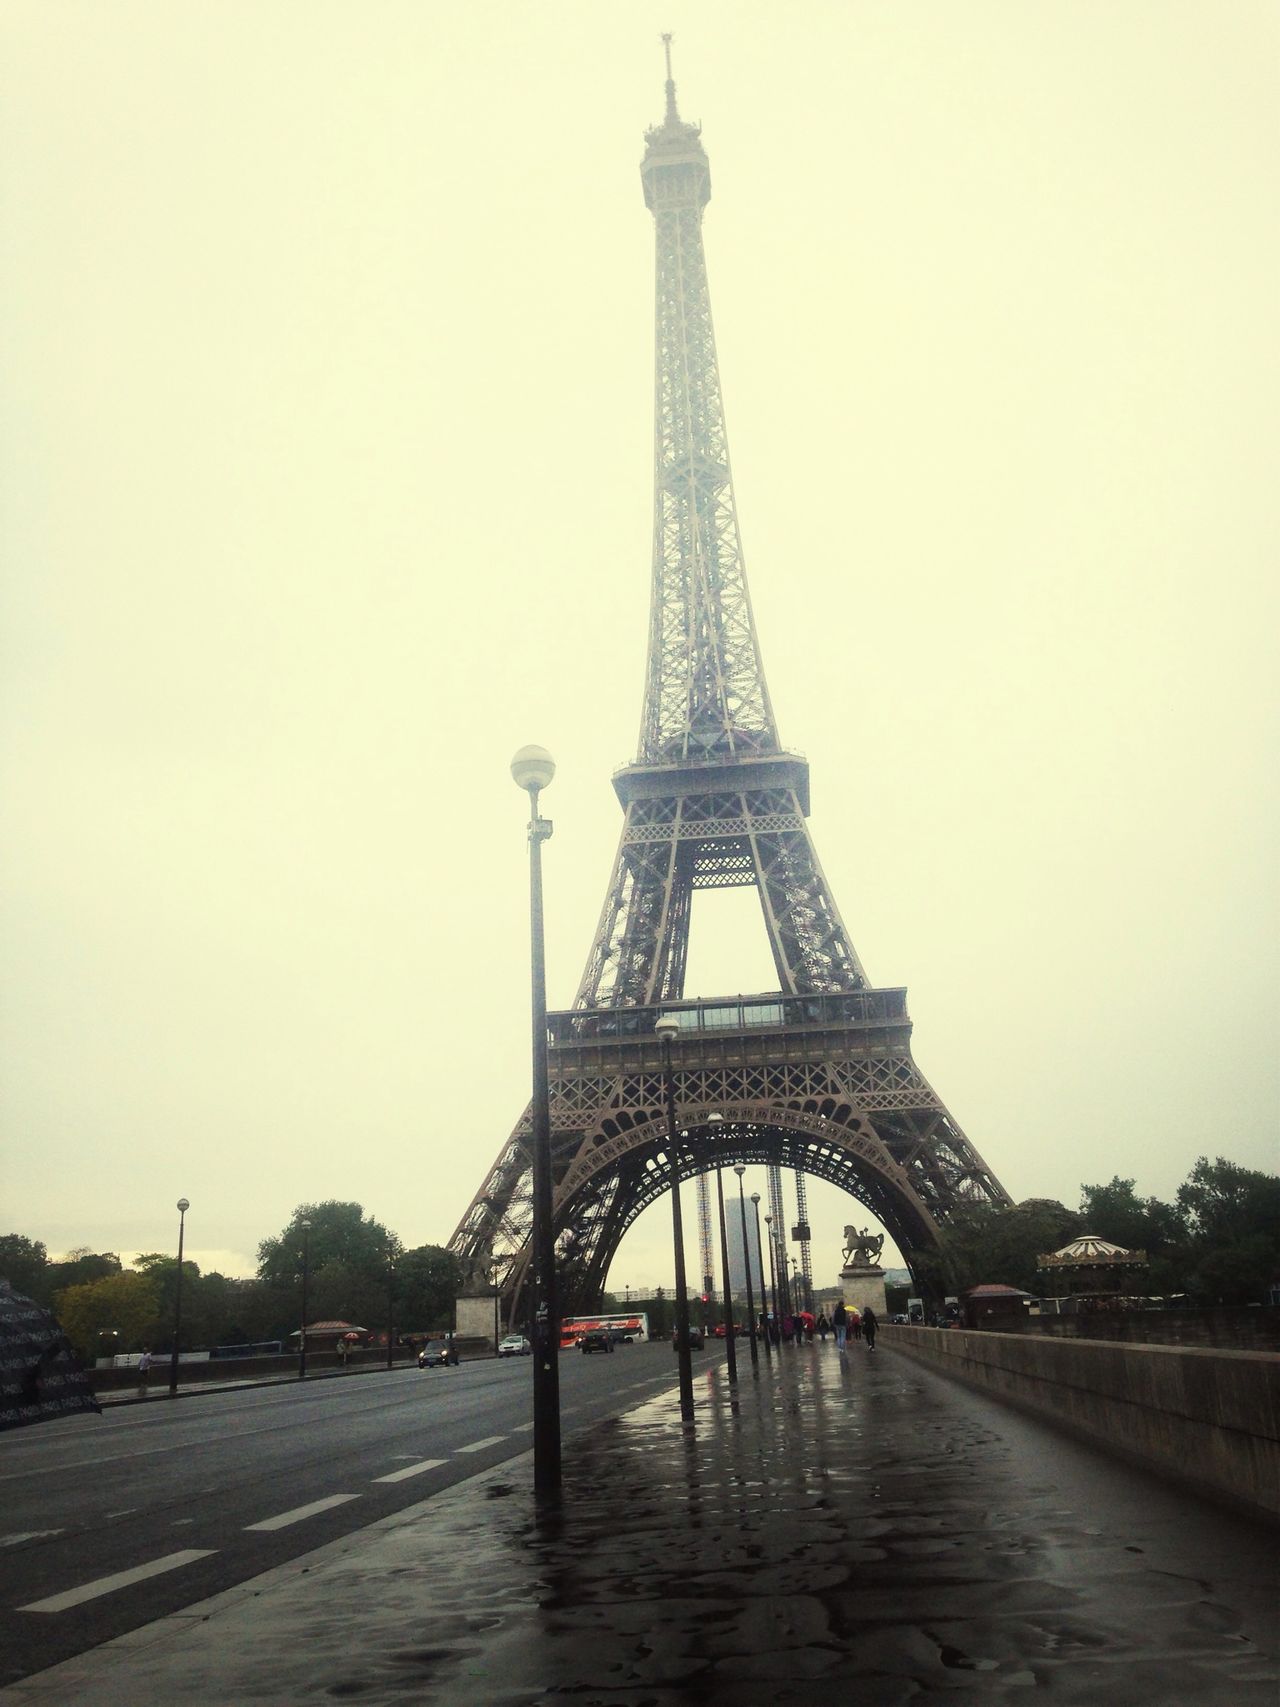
620	1328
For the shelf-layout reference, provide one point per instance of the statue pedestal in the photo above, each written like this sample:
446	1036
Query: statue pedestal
862	1284
474	1317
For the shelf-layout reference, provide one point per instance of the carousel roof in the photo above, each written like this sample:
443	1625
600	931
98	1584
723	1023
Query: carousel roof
1089	1250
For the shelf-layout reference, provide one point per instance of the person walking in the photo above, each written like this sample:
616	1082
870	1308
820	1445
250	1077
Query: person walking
144	1371
855	1322
840	1322
869	1326
824	1327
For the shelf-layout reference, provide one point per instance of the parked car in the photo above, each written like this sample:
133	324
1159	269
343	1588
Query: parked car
437	1354
595	1339
696	1338
514	1345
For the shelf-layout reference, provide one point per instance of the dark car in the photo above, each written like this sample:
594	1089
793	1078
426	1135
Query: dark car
696	1338
437	1354
595	1339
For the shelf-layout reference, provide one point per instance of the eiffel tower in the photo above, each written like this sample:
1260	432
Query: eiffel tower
816	1076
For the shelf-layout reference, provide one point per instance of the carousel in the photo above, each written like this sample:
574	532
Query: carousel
1091	1274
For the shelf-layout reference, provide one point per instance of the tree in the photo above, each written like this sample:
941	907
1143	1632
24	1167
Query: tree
24	1263
981	1243
427	1282
339	1232
1117	1213
119	1307
1232	1219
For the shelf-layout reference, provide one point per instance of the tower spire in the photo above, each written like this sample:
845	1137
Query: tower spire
673	117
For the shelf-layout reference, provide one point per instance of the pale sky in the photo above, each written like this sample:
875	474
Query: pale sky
327	448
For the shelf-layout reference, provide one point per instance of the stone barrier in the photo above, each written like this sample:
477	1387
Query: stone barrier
1210	1418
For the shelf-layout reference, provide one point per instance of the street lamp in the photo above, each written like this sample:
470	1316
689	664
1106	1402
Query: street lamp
666	1028
532	769
746	1257
391	1304
182	1207
764	1301
493	1281
773	1276
306	1262
730	1340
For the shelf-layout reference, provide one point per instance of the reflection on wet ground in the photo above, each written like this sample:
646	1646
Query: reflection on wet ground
852	1529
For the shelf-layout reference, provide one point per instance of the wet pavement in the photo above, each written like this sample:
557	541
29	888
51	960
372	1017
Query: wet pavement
848	1529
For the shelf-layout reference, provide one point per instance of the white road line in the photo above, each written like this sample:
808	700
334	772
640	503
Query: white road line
299	1512
411	1470
121	1579
27	1535
522	1428
479	1445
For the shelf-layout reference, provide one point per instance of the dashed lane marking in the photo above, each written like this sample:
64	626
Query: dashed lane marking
121	1579
522	1428
479	1445
302	1511
411	1470
27	1535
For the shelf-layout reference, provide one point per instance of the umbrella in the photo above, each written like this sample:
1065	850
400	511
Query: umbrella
40	1376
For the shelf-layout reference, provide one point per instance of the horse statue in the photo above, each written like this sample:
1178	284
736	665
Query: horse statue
862	1245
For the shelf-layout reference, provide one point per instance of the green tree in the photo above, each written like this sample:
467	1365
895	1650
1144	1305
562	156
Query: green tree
24	1263
119	1307
339	1232
1232	1219
982	1244
427	1282
1117	1213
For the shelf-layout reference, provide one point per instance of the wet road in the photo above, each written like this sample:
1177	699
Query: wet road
182	1500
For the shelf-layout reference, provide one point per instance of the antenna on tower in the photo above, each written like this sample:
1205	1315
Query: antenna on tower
672	114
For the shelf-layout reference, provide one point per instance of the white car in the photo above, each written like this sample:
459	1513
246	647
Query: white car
514	1345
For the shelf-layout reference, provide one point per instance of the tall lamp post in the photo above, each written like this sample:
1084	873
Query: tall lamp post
391	1302
730	1339
764	1291
532	769
746	1257
497	1292
306	1261
183	1205
773	1275
666	1028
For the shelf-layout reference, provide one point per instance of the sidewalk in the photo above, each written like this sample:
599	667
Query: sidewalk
852	1529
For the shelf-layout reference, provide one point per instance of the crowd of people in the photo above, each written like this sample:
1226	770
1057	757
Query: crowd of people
846	1323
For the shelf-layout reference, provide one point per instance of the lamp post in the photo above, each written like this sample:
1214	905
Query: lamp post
183	1205
306	1260
532	769
730	1340
493	1281
764	1293
666	1029
746	1257
391	1305
773	1275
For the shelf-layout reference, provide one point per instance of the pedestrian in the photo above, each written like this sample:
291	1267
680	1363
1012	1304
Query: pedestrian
788	1329
144	1371
824	1327
840	1322
869	1326
855	1322
808	1329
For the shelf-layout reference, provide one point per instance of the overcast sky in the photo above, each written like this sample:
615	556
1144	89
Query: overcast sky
327	446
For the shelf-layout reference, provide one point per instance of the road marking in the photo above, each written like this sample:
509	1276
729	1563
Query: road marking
411	1470
127	1512
121	1579
479	1445
27	1535
299	1512
522	1428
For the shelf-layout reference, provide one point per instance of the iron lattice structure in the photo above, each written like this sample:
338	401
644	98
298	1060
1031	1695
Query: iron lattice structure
818	1076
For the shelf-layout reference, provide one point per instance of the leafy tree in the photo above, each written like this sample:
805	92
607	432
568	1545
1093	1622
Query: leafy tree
78	1267
24	1263
339	1232
1117	1213
983	1244
1232	1219
341	1293
120	1306
427	1282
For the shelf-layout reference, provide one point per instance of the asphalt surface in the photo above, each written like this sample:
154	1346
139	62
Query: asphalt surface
244	1479
841	1529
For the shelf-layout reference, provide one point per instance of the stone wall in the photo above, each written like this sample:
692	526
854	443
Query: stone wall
1211	1418
1243	1328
